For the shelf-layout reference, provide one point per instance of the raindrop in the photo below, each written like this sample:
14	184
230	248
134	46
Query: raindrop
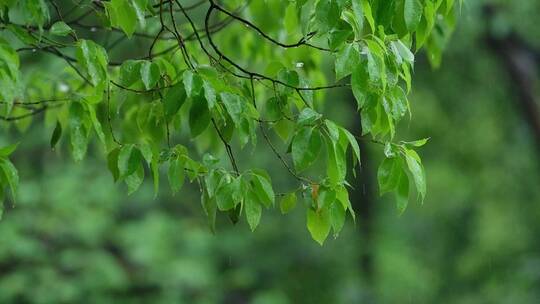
62	87
93	29
299	65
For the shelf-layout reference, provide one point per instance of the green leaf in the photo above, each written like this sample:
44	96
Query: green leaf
318	224
150	74
78	132
10	78
308	117
22	34
358	12
290	19
95	122
135	180
325	197
402	193
360	84
289	77
154	167
337	217
417	143
209	93
417	172
192	83
342	196
140	9
122	14
376	65
262	187
346	60
355	18
354	144
173	100
210	209
288	202
130	72
212	181
327	14
176	174
146	152
336	163
11	175
60	28
112	163
93	58
333	130
369	15
306	146
229	193
57	133
403	51
389	174
234	106
35	11
199	116
8	150
412	13
253	210
129	159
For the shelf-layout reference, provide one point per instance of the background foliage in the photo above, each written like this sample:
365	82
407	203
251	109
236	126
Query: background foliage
73	236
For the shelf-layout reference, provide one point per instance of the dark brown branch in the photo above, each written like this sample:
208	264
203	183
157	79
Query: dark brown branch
249	74
521	65
301	42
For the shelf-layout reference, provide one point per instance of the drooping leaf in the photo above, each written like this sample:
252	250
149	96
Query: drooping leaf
176	174
192	83
307	117
36	11
122	14
57	133
318	224
346	60
130	72
229	193
11	175
129	159
112	163
336	163
389	174
412	13
253	210
234	106
287	203
337	217
210	209
402	193
94	59
78	131
173	100
60	28
262	188
306	146
150	74
417	172
134	180
199	116
8	150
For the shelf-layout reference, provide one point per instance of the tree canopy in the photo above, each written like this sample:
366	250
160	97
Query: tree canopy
193	88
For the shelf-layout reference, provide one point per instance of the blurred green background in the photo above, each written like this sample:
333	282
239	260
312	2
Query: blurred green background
75	237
